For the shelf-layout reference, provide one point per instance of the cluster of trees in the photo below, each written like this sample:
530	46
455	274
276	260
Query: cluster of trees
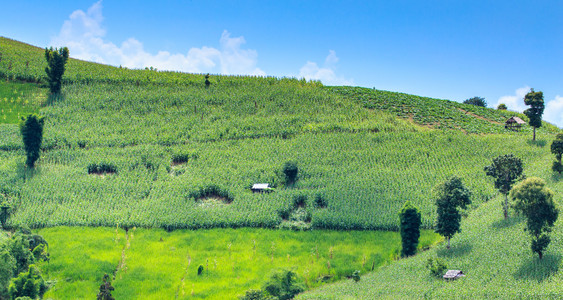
19	277
531	198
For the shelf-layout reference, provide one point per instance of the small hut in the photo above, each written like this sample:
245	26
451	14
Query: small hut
261	188
453	274
514	123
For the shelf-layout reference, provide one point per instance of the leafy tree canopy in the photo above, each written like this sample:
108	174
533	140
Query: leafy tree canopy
56	60
477	101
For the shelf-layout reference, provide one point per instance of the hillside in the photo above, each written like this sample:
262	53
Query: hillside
148	149
238	132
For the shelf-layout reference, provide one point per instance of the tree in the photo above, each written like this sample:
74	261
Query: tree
7	270
502	106
477	101
451	195
557	149
56	60
290	171
534	113
105	289
207	82
410	228
535	201
31	129
283	284
506	170
28	284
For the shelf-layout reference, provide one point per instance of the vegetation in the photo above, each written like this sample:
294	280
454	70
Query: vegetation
105	289
506	170
451	196
477	101
534	113
409	228
56	61
502	106
535	201
557	149
31	129
157	264
283	284
436	266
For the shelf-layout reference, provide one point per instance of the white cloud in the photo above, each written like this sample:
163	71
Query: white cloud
515	102
84	35
326	74
553	112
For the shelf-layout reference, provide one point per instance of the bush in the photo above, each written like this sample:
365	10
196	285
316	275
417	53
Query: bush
30	284
105	289
290	170
56	60
283	284
199	269
299	201
256	295
502	106
320	201
356	275
436	266
101	168
477	101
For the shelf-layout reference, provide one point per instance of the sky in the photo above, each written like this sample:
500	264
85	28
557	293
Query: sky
449	49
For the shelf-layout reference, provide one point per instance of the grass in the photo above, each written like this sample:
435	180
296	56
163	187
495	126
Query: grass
18	100
156	264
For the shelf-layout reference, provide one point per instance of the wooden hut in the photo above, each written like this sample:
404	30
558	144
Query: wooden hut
514	123
261	188
453	274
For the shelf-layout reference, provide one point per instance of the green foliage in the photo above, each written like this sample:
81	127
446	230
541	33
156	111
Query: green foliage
283	284
256	295
101	168
450	196
410	228
105	289
356	275
436	266
506	170
56	61
28	284
290	170
502	106
557	150
477	101
207	82
535	201
200	270
7	270
535	112
18	246
31	129
19	99
320	201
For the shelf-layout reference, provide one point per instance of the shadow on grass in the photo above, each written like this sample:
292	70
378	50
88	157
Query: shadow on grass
504	223
556	176
537	269
24	172
456	250
537	143
53	98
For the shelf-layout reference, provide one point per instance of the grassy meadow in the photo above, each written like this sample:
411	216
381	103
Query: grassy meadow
156	264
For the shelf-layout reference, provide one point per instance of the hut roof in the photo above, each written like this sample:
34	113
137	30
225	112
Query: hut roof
453	274
261	186
516	120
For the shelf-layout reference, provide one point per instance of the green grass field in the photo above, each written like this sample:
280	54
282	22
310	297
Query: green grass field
156	264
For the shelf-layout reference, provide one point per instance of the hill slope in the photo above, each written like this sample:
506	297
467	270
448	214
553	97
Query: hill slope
349	144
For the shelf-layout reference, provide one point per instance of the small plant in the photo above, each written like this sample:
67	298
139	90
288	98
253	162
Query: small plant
320	201
102	168
200	270
283	284
436	266
356	275
105	289
207	82
299	201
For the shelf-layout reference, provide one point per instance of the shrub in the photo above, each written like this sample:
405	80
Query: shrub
256	295
101	168
105	289
290	170
200	270
477	101
410	228
56	60
356	275
320	201
436	266
283	284
30	284
502	106
180	158
299	201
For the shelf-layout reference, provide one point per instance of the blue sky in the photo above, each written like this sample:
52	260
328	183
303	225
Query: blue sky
443	49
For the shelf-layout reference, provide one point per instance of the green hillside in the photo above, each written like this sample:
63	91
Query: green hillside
179	155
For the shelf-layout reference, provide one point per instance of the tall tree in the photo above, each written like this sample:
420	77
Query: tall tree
557	149
534	113
535	201
451	196
506	170
410	228
31	129
56	60
477	101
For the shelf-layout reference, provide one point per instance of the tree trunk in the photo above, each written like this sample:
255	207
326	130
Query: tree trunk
448	238
505	207
540	254
534	139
